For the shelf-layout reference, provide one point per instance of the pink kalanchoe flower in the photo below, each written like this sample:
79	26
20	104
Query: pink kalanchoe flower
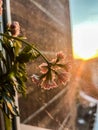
68	66
1	9
35	79
1	3
15	25
43	68
60	55
63	78
48	84
14	28
53	61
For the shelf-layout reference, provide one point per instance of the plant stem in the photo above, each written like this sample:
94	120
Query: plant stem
8	122
18	39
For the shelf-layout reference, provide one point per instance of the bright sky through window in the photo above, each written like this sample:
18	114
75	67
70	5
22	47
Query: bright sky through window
84	19
85	38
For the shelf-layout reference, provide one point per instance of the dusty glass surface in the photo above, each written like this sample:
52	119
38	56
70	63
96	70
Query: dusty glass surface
46	23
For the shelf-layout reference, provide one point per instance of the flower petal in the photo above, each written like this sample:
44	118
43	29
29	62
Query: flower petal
35	79
43	68
48	84
63	78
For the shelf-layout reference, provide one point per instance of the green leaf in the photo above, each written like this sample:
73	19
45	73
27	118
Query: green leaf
26	49
8	49
2	58
9	88
24	57
27	54
21	86
17	46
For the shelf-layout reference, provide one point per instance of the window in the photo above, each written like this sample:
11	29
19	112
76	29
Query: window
46	23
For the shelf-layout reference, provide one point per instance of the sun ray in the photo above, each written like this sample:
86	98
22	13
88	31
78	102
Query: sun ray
85	41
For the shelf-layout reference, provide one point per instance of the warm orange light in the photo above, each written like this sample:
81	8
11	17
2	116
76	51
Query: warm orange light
85	41
85	56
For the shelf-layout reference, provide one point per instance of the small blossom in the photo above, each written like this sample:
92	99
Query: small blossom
14	28
55	73
53	61
15	25
43	68
1	3
63	78
1	9
60	55
48	84
35	79
68	66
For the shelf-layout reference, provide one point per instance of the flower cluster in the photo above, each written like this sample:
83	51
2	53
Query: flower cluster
1	9
53	73
14	28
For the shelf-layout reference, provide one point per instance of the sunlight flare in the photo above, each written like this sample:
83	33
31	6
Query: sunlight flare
85	41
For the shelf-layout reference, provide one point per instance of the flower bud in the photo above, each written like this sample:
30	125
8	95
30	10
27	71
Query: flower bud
1	9
14	28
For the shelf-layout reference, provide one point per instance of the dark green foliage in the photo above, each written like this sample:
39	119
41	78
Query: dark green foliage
13	59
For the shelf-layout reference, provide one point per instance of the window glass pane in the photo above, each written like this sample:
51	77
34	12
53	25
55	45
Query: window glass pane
47	24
